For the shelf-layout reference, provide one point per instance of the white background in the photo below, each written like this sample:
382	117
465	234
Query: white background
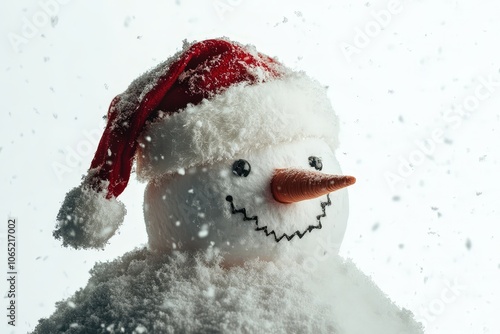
429	239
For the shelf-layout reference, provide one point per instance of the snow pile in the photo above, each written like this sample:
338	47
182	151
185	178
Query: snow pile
179	293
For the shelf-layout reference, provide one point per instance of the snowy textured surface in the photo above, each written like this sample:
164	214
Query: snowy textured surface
180	293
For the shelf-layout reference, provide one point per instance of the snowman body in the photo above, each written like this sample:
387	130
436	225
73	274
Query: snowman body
215	206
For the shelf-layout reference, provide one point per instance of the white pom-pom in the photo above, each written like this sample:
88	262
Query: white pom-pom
87	219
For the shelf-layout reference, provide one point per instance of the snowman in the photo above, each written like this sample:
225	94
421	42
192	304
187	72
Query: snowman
238	153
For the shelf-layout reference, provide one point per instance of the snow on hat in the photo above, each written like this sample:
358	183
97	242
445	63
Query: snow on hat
211	101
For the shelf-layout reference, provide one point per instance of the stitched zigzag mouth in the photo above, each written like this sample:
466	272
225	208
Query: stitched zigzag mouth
318	226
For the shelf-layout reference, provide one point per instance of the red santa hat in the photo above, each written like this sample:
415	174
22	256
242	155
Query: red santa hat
212	101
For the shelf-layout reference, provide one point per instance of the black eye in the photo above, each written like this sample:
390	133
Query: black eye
316	163
241	168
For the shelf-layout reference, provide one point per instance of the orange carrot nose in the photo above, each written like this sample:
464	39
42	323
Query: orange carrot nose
290	185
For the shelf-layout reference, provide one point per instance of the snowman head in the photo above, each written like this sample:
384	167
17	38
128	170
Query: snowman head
238	153
230	205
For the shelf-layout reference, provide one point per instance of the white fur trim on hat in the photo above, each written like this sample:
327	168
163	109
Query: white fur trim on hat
243	118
